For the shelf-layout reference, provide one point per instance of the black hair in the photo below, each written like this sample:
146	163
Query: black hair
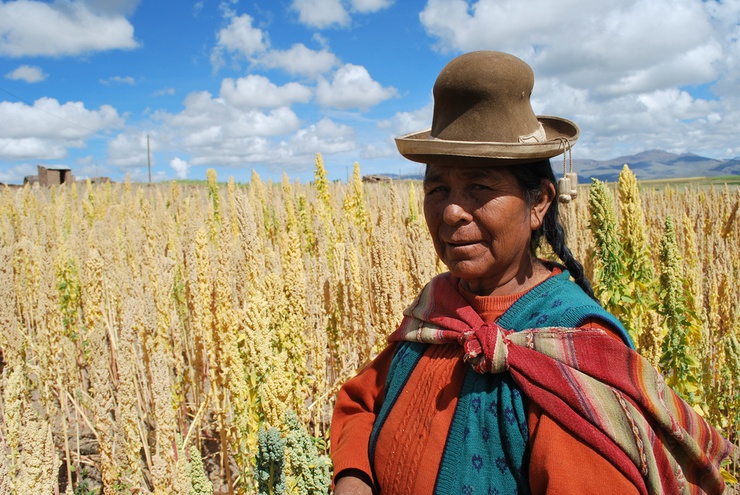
530	178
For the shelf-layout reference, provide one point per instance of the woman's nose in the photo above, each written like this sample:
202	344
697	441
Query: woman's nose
455	213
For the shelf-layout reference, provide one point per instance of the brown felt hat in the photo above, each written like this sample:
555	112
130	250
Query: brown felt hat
482	113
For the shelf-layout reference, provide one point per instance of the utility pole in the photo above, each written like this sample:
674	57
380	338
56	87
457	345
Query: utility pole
149	158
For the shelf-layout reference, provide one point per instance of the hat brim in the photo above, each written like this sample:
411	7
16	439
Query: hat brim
421	147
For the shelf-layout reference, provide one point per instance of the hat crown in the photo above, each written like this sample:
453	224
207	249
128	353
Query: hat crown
484	96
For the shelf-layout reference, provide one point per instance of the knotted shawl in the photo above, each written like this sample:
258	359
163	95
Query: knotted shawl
593	385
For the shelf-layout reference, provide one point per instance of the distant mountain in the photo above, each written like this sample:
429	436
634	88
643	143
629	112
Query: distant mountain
656	164
652	164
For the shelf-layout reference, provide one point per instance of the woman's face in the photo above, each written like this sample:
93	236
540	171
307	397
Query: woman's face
481	225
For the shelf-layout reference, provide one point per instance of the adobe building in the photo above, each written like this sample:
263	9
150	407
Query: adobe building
55	175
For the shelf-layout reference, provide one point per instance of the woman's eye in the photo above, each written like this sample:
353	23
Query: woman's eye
432	190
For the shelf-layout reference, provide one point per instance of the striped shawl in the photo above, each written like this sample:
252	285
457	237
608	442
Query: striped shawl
596	387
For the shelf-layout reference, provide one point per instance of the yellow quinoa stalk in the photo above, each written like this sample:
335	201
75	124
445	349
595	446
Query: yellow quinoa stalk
103	407
292	329
651	338
609	268
730	219
632	229
354	201
168	474
233	388
38	461
324	207
421	256
305	219
200	308
88	203
387	290
68	285
214	195
322	184
12	340
6	484
15	400
127	400
231	196
258	201
212	342
317	343
691	259
678	364
637	284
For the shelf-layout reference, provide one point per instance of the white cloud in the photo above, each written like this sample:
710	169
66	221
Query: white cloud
612	48
326	136
47	129
130	150
239	37
368	6
214	132
15	175
622	69
321	13
28	73
69	28
300	60
180	167
128	80
256	91
113	7
203	113
406	122
352	87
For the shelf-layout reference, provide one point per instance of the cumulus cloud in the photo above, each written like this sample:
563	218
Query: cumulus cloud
256	91
238	38
611	49
620	68
321	13
129	149
180	167
113	7
213	131
352	87
300	60
207	115
69	28
30	74
46	129
406	122
325	136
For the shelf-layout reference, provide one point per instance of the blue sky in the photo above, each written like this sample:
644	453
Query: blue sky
265	85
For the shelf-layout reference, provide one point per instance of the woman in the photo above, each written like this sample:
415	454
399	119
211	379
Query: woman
505	376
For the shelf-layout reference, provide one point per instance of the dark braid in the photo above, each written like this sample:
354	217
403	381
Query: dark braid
530	178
